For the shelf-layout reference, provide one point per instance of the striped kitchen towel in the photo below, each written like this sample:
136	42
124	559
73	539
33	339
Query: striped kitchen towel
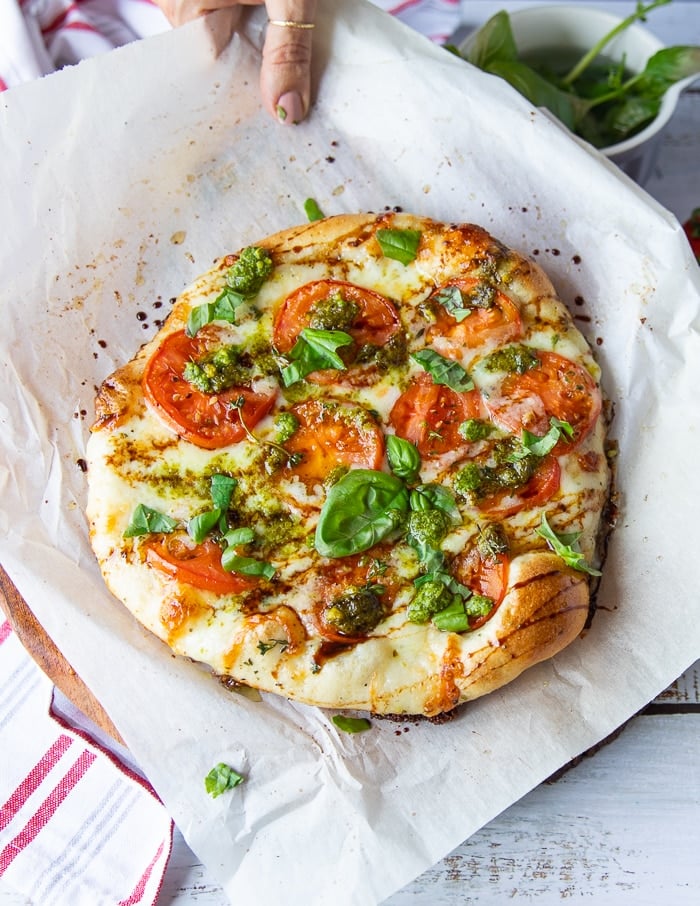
76	827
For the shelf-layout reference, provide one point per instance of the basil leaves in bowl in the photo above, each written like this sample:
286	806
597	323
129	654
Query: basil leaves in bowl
608	79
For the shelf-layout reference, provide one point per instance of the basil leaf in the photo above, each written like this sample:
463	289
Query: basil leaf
199	526
494	41
452	300
540	446
221	490
564	546
220	779
245	566
453	618
443	371
223	308
145	520
665	68
363	508
404	458
401	245
315	350
312	210
351	724
436	497
239	536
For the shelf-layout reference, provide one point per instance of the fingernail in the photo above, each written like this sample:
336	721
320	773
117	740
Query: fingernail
290	110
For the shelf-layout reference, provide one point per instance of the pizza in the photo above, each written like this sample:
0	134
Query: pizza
362	465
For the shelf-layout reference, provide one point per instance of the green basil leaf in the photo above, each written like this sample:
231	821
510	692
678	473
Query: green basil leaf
351	724
443	371
665	68
404	458
363	508
540	446
222	487
220	779
453	618
493	41
245	566
564	546
401	245
239	536
199	526
437	497
145	520
312	210
452	300
315	350
223	308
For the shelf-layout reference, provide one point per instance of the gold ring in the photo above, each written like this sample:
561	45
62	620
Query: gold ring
287	23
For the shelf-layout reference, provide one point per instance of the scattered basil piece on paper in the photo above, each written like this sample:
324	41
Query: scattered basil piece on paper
312	210
221	778
351	724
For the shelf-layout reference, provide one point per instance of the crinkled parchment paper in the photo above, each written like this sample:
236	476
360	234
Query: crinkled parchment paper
122	180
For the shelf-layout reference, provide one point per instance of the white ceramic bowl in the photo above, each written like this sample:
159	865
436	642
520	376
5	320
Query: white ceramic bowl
578	28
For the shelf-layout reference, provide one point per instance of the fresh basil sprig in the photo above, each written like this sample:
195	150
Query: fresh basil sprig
443	370
223	308
565	546
146	520
401	245
221	489
363	508
404	458
315	350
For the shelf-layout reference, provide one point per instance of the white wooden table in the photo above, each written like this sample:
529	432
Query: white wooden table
623	826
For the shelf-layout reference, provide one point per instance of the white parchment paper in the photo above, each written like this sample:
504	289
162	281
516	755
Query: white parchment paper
122	180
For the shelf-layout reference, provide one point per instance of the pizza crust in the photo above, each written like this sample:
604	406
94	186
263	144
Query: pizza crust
401	667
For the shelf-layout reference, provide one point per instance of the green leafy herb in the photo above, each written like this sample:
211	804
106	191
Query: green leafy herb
533	445
461	304
401	245
363	508
145	520
312	210
435	496
222	487
199	526
565	546
351	724
245	566
264	647
237	536
220	779
443	371
315	350
404	458
223	308
598	100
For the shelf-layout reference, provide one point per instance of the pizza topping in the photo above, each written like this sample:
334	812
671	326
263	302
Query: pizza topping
198	565
357	611
216	371
363	508
517	359
333	313
565	546
286	424
404	458
208	420
401	245
474	429
471	312
443	371
145	520
315	350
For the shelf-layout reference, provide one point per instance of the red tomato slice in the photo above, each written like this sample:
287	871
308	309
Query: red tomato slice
334	434
499	324
199	566
376	321
485	576
543	485
556	387
204	419
429	415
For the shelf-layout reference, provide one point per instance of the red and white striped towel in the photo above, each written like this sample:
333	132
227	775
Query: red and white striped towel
75	826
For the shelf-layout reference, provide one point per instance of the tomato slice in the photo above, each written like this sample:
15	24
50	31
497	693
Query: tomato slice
333	434
485	576
198	565
205	419
376	320
499	324
556	387
429	415
538	490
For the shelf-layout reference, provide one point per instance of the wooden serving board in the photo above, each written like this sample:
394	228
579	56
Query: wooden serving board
43	650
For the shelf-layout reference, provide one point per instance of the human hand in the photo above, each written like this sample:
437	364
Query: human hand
285	75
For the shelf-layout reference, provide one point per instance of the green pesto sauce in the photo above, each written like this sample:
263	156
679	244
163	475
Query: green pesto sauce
474	482
428	527
432	597
248	273
474	429
357	611
333	313
217	371
393	354
512	359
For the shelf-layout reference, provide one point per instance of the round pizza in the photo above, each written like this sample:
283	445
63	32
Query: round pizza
361	465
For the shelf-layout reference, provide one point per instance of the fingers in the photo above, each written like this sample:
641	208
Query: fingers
178	12
285	77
